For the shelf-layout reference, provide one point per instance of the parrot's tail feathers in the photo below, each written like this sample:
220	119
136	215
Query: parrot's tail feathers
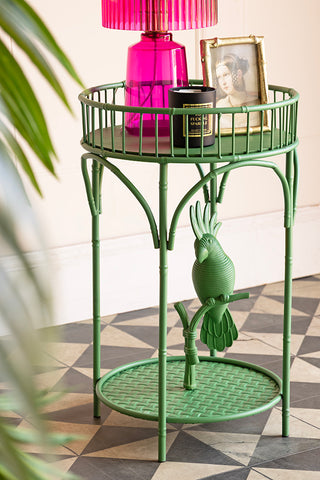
232	331
219	335
204	330
203	336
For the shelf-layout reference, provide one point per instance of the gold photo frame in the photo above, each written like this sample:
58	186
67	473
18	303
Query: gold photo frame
236	67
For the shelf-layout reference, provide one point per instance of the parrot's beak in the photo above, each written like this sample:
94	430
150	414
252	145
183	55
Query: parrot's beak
202	254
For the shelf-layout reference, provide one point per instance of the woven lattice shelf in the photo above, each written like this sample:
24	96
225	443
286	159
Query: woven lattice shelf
226	389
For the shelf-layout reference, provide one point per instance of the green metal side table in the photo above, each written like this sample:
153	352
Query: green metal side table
153	388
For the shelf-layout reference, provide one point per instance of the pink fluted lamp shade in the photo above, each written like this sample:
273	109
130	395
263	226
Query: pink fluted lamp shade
156	63
158	15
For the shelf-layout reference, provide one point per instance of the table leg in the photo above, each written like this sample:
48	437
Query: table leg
163	270
287	304
96	285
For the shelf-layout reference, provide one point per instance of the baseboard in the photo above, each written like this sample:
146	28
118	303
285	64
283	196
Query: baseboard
129	265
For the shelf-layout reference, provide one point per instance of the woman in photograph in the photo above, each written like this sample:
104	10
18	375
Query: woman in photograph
231	89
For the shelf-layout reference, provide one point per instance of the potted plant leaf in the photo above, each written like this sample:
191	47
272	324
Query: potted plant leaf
24	298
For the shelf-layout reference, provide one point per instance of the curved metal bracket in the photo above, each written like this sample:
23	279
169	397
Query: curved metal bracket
224	170
222	186
205	187
94	204
295	182
95	209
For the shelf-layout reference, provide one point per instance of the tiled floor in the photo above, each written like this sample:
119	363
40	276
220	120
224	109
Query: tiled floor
119	447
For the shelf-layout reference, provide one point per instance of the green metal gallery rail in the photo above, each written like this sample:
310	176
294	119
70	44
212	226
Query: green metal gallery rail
153	388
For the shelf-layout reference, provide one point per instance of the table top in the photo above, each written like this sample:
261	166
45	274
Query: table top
115	143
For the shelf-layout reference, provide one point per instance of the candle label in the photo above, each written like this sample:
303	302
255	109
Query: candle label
194	122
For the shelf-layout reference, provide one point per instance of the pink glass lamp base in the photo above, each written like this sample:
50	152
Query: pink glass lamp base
154	65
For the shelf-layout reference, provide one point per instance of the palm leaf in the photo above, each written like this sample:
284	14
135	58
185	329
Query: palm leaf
12	144
24	299
23	108
21	23
19	12
19	352
18	103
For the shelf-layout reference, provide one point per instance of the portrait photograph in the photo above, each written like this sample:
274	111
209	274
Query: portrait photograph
235	67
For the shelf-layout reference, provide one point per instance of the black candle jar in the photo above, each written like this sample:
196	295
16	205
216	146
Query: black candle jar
193	97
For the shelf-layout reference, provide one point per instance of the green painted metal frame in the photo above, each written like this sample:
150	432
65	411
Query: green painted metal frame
99	118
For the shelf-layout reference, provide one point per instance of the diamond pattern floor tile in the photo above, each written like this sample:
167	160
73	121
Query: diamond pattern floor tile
125	448
188	471
240	447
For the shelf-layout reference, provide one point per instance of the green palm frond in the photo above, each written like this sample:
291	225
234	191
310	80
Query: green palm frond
26	27
24	301
18	465
24	291
18	103
9	143
22	24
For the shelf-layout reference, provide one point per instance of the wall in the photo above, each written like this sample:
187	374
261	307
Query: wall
250	212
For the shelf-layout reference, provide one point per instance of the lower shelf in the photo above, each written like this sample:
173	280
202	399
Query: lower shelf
226	389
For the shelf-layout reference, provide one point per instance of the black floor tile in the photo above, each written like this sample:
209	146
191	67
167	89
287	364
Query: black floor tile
309	402
80	414
88	469
114	469
149	335
310	344
186	448
241	474
14	422
312	361
302	392
73	333
73	381
310	278
253	425
271	323
244	305
112	357
262	360
308	459
253	290
303	304
145	312
306	305
113	436
279	448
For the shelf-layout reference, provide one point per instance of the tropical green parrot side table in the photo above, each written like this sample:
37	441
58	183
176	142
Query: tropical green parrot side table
191	388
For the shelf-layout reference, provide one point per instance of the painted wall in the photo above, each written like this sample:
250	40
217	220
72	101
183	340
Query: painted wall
99	55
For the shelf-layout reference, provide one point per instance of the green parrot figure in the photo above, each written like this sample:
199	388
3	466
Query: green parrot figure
213	276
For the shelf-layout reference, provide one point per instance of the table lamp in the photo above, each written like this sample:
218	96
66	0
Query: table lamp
156	63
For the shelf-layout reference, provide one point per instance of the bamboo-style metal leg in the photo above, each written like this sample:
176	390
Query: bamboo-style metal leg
163	187
287	303
289	184
96	284
287	334
213	201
